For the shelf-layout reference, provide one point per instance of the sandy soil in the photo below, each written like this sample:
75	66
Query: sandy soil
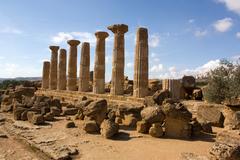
127	145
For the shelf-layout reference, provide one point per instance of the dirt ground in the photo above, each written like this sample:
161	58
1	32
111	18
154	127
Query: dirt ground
55	139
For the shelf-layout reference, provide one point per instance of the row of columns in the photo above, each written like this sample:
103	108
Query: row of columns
54	72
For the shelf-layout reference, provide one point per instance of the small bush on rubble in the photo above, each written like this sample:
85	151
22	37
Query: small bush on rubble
223	82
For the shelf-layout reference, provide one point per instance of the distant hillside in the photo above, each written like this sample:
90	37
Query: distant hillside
22	79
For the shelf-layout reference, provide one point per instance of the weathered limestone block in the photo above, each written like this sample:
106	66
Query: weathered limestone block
45	75
210	113
129	120
109	128
72	65
70	111
62	66
143	127
160	96
227	145
153	115
140	85
156	130
177	122
35	118
84	75
53	67
96	110
90	126
117	83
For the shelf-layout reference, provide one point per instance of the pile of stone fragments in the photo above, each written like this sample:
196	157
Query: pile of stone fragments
159	117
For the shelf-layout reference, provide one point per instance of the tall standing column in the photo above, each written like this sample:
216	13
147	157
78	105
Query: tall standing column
53	67
117	83
140	84
99	64
45	75
72	65
62	70
84	75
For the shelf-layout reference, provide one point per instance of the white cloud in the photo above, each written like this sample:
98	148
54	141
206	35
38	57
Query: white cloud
61	37
129	65
158	71
232	5
191	21
238	35
10	30
156	68
223	25
201	70
154	40
82	36
12	70
200	33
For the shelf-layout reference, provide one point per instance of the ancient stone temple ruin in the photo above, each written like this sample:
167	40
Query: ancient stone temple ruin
61	81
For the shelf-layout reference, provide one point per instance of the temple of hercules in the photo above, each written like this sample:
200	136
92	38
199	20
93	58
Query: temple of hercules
64	78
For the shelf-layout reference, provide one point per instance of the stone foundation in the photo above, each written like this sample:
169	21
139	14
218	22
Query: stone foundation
72	96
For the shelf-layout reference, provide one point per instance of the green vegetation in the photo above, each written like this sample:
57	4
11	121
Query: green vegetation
4	84
223	82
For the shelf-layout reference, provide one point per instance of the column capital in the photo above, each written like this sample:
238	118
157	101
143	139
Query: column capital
118	28
73	42
46	62
142	33
54	48
85	44
101	34
62	50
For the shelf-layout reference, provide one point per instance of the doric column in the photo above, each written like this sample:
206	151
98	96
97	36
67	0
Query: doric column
84	75
99	64
117	83
140	84
62	70
53	67
72	65
45	75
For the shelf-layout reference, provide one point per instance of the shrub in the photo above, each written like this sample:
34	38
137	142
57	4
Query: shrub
223	82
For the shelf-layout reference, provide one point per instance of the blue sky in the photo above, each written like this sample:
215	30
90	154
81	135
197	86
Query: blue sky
185	36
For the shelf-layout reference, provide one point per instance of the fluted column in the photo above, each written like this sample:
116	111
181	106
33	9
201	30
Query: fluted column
99	64
140	84
174	86
117	83
53	67
72	65
84	75
62	70
45	75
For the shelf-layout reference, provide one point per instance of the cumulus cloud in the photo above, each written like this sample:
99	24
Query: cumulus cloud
232	5
223	25
12	70
156	68
82	36
10	30
154	40
158	71
200	33
238	35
